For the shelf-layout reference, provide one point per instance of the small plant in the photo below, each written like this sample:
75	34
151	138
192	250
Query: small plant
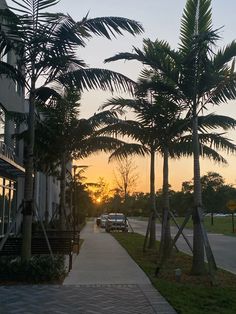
39	269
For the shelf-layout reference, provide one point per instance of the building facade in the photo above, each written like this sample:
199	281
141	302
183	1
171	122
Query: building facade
11	151
46	192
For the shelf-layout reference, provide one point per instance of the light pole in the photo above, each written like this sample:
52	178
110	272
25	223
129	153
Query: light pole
74	197
75	167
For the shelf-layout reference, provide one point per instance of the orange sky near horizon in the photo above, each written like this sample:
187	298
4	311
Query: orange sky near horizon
180	171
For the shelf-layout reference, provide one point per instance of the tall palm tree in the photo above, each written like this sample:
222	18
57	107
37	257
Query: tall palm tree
46	44
195	75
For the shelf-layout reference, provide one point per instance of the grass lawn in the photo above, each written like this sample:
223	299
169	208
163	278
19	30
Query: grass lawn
193	295
221	224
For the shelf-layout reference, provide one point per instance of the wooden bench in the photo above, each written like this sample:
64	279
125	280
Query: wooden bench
74	236
59	245
57	233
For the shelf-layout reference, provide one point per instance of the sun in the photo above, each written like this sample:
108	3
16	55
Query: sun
98	200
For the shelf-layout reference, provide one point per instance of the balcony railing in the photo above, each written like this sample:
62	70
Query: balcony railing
7	151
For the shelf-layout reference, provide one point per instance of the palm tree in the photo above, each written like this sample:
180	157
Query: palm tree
46	44
161	127
61	135
195	75
144	131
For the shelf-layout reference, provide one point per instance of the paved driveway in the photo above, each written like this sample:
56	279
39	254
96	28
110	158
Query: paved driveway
223	247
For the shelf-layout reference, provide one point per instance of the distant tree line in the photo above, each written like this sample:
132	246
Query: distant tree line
215	192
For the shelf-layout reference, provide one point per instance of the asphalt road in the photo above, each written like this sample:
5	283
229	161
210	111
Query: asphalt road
223	247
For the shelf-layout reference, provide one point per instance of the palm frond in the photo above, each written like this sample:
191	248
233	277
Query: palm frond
93	78
218	142
196	18
208	152
126	56
12	73
93	144
213	121
224	88
108	26
224	56
100	119
120	103
129	150
44	93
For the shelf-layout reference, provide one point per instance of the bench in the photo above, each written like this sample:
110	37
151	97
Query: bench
52	233
59	245
58	233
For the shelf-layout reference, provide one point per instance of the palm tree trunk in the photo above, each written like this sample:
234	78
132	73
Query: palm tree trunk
198	266
62	193
165	231
28	189
152	240
46	201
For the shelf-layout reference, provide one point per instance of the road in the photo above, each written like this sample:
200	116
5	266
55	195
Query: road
223	247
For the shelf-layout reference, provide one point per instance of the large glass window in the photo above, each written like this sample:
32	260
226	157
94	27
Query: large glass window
7	203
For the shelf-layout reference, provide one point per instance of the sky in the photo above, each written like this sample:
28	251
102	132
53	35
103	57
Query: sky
160	19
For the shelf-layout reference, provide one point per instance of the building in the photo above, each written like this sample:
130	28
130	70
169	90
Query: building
12	99
11	152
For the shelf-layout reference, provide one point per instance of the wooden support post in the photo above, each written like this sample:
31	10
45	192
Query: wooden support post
147	233
210	257
70	262
44	231
181	229
185	238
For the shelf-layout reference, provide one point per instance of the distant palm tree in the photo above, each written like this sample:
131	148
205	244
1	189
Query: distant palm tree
194	76
46	44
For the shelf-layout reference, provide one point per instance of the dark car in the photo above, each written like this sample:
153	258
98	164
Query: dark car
98	221
116	221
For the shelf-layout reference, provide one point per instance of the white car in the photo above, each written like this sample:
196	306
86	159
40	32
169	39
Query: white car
103	220
116	221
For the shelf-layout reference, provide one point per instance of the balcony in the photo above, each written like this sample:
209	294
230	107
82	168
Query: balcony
8	161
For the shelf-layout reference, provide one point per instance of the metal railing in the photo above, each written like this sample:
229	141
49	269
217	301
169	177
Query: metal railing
7	151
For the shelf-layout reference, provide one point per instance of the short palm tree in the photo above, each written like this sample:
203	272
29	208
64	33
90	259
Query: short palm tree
194	76
46	44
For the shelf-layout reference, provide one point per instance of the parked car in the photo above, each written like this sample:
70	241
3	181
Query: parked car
98	221
116	221
103	220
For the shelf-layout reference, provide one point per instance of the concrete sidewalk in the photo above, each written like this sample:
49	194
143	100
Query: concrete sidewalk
117	282
104	280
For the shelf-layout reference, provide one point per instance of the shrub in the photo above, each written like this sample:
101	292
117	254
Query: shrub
39	269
